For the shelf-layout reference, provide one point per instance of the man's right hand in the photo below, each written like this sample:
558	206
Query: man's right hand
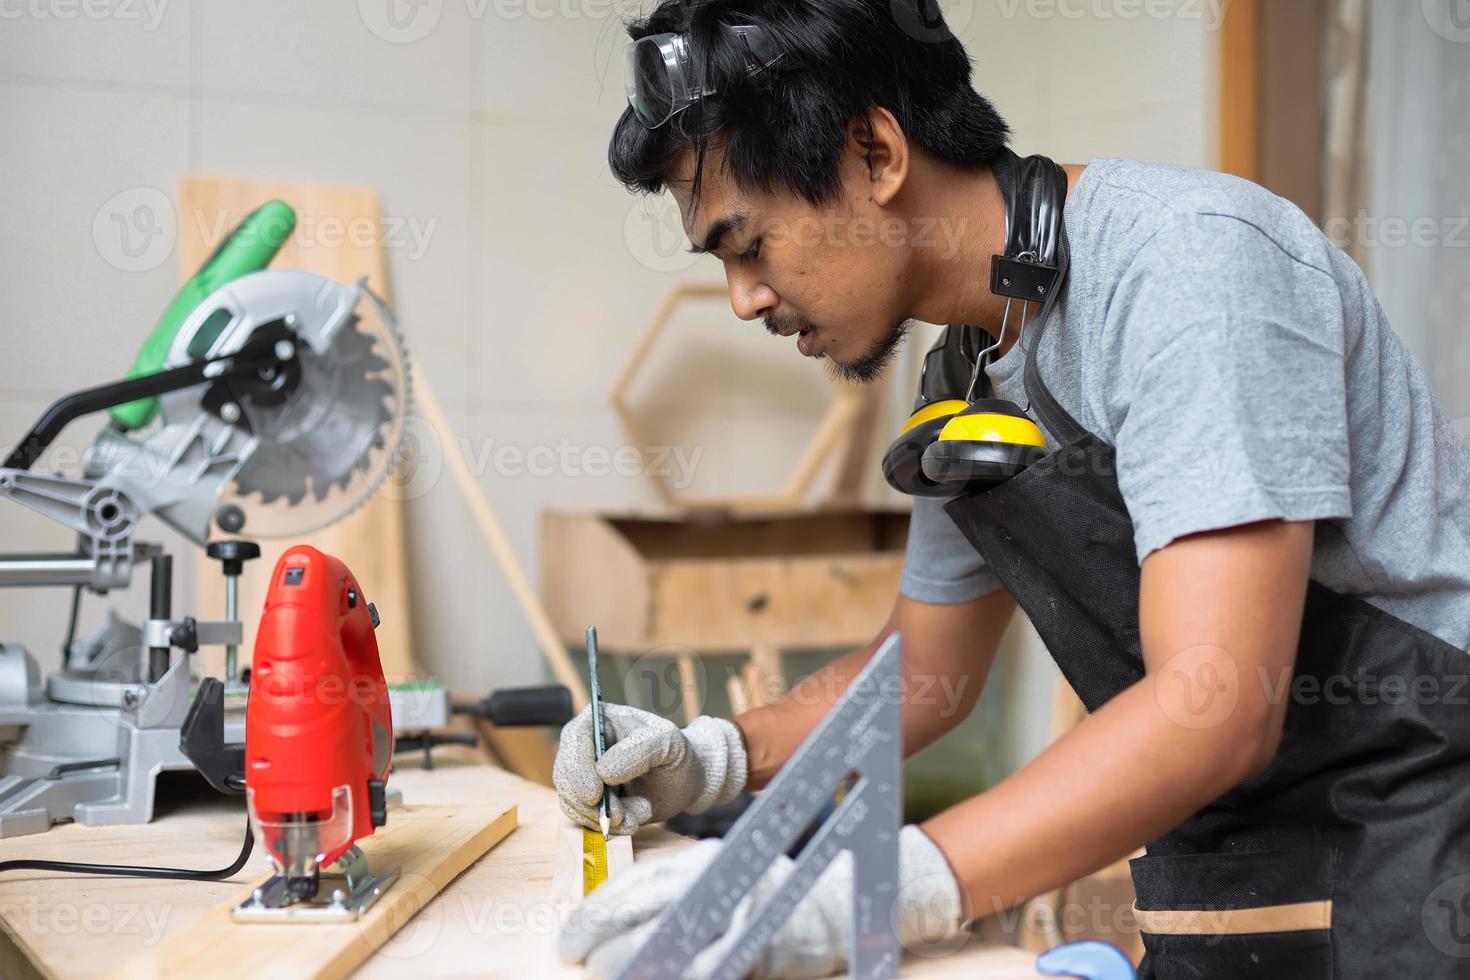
659	769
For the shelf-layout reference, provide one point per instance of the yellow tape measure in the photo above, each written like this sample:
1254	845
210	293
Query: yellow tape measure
594	860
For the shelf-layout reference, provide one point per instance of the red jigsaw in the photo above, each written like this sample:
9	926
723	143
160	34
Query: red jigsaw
319	730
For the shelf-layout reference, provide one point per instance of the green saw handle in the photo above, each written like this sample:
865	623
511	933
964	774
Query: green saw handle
249	248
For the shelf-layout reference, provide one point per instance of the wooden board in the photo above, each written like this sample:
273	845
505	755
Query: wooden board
431	844
370	540
498	919
567	880
1238	88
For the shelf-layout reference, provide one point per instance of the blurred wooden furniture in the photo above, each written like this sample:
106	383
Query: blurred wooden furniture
1097	906
684	581
844	434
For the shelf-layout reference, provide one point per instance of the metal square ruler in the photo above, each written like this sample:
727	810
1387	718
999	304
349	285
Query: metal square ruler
857	744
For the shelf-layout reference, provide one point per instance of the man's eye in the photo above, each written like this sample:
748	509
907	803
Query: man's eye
752	253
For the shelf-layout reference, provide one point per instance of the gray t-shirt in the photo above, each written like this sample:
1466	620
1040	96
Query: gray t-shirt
1243	371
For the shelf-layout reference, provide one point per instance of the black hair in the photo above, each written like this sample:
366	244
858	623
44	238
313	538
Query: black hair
785	128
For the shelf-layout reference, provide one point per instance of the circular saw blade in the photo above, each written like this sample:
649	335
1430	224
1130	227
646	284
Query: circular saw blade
325	450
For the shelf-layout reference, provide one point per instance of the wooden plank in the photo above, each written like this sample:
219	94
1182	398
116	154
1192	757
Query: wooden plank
493	532
591	575
1292	99
431	844
370	540
1238	90
856	462
567	879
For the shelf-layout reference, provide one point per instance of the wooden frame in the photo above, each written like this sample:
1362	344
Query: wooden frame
1272	97
840	435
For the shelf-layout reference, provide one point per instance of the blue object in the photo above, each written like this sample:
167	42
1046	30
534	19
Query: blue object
1089	960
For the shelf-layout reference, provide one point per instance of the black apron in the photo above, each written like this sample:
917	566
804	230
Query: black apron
1348	856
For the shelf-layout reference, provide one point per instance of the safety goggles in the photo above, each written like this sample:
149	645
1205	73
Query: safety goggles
659	72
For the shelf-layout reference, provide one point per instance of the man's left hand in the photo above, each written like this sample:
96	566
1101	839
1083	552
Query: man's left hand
607	929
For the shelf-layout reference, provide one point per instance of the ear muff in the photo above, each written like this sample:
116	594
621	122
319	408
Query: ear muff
903	462
988	443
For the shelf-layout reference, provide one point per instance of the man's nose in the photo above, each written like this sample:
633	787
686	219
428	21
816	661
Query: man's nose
750	298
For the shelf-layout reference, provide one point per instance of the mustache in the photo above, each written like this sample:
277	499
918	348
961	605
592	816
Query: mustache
775	324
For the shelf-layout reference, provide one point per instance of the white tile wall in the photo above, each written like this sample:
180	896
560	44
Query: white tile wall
483	123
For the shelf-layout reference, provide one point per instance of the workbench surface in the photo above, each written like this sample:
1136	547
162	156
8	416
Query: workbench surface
498	919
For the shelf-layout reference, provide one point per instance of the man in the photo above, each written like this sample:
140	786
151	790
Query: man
1247	545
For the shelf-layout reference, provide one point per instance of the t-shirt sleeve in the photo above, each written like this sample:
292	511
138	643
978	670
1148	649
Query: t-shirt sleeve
940	565
1229	401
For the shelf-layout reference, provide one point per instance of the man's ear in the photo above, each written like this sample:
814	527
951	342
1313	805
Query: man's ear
879	143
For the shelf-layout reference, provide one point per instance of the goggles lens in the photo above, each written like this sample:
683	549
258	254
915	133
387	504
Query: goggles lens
649	68
658	74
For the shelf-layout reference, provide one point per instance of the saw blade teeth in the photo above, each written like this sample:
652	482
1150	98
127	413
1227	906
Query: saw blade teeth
348	431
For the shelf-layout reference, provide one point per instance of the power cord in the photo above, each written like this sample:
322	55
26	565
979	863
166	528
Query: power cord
128	871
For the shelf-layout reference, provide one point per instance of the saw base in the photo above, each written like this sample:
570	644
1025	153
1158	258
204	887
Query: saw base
342	895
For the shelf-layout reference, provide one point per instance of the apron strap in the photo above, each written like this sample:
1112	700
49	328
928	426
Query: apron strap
1035	192
1054	417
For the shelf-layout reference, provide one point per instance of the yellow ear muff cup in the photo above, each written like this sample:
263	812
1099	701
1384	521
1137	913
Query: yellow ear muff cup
985	445
903	461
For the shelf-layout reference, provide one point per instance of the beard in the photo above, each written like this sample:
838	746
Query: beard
864	369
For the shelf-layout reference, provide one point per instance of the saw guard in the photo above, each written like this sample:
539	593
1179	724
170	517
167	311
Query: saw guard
325	449
300	846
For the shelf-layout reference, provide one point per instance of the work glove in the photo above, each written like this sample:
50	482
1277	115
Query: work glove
660	769
610	925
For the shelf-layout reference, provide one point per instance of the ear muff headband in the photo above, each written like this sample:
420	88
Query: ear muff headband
980	445
932	411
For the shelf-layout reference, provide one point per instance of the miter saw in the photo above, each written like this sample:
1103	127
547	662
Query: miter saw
265	403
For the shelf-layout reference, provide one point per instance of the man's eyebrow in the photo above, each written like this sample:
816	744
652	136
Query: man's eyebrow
717	232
